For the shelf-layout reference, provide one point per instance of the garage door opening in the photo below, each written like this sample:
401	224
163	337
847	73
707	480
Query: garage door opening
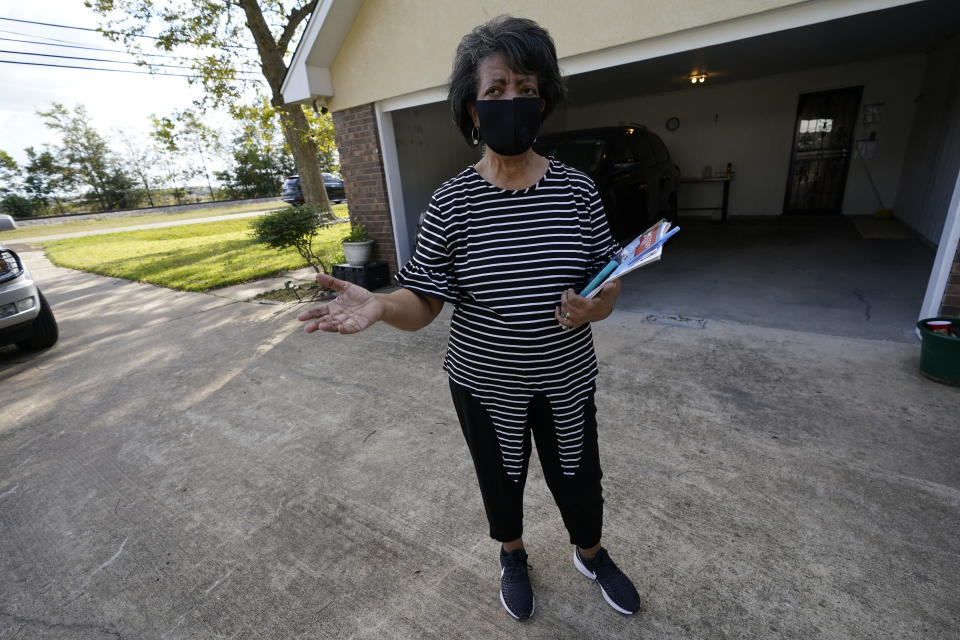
825	270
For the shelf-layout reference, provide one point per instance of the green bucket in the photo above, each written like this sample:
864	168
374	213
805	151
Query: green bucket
940	354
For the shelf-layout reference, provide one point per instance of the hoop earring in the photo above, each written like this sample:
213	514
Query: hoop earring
475	136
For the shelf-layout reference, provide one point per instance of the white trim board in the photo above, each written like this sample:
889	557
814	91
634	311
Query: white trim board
308	75
946	250
391	174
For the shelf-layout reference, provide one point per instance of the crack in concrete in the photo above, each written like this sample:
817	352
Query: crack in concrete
676	320
869	308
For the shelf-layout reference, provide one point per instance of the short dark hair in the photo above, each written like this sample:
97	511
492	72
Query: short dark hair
526	48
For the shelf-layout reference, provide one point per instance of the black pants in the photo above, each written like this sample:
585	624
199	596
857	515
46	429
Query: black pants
579	497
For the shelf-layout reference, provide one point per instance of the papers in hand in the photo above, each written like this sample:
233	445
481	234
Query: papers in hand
641	251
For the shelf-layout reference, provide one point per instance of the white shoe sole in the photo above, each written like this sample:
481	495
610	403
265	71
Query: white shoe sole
515	616
533	602
590	574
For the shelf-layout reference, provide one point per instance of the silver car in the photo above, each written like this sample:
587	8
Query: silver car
26	319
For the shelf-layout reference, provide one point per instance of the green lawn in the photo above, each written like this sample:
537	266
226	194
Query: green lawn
71	226
195	257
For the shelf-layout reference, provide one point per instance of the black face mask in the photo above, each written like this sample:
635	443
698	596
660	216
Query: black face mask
509	127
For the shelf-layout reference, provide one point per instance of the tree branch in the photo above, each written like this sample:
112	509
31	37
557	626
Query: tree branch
296	17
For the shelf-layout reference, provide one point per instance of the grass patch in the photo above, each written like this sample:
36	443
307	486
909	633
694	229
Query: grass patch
195	257
106	224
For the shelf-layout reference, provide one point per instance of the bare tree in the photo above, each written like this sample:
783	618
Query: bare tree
141	161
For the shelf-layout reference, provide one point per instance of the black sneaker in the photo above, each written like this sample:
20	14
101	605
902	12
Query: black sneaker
617	589
516	594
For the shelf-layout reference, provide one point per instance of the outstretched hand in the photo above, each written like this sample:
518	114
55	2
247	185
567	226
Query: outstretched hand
353	310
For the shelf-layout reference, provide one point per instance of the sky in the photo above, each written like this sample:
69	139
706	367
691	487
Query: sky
115	101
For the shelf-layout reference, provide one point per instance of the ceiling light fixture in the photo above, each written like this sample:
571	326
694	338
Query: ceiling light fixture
698	78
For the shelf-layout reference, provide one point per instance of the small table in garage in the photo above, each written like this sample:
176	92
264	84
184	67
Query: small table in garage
726	195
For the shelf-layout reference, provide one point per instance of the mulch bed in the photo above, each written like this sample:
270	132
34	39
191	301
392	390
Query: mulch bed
302	292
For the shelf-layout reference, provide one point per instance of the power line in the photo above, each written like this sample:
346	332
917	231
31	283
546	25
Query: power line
105	32
68	26
50	24
76	46
65	66
121	51
33	35
51	55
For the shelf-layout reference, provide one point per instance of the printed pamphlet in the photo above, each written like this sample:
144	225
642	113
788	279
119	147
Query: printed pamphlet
641	251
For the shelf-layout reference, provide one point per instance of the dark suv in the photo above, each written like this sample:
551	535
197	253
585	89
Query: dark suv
632	168
293	194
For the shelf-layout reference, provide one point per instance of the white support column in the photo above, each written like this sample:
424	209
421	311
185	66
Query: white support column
946	250
391	173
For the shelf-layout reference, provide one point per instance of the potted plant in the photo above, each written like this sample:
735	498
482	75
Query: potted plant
357	246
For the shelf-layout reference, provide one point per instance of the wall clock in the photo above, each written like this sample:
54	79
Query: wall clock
673	124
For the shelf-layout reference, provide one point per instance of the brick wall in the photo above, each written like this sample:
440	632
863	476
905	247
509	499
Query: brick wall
366	187
951	297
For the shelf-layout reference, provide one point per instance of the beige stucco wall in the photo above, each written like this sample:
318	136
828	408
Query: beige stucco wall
398	47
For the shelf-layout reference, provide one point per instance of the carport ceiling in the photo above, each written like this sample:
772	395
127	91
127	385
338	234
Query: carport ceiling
914	28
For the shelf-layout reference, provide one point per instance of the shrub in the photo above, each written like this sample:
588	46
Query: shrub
19	207
295	227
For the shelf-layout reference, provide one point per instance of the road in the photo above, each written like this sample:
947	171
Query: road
136	227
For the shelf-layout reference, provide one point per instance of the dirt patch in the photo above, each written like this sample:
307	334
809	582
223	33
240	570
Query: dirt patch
302	292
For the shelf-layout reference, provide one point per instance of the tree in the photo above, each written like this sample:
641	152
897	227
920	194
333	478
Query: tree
321	130
27	189
255	172
86	156
261	157
44	178
142	161
18	206
119	189
186	130
12	202
258	125
8	172
219	33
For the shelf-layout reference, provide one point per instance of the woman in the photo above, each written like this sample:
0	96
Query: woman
509	241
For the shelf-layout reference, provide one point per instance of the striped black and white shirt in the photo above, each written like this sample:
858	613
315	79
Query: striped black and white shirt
504	258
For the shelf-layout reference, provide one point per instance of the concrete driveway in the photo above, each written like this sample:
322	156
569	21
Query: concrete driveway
187	466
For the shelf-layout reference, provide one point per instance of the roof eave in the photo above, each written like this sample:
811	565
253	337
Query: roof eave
308	76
